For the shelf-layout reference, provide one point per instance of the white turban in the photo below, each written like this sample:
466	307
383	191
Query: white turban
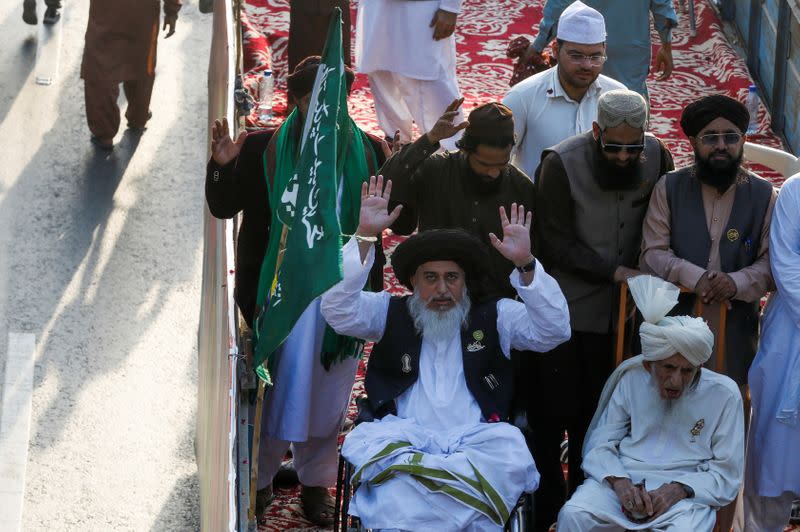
661	336
581	24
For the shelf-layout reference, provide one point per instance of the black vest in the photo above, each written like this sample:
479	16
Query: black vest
738	248
394	362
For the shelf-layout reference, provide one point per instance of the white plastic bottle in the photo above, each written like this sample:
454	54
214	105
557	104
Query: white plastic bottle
752	108
266	86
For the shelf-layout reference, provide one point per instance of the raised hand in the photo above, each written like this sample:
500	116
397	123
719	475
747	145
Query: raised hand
444	127
374	216
396	144
443	24
223	148
516	243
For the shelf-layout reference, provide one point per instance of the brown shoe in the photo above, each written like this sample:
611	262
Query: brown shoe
318	505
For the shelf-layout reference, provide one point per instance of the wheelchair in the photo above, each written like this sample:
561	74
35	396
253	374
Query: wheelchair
521	514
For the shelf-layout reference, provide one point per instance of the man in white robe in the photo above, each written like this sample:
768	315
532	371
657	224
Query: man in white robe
773	447
561	102
439	456
408	51
666	447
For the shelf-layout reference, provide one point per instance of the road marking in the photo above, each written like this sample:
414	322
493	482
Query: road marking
15	425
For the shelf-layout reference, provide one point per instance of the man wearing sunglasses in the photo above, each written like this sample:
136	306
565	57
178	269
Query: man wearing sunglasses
592	192
562	101
707	228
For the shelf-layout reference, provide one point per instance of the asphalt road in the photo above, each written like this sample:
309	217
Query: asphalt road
100	260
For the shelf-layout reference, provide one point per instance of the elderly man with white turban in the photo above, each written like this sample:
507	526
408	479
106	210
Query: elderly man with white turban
666	446
562	101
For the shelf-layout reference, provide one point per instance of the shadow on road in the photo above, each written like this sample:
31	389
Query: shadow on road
94	287
16	72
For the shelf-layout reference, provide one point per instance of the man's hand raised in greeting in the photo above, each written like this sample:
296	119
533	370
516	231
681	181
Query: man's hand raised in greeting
516	243
223	148
374	216
444	127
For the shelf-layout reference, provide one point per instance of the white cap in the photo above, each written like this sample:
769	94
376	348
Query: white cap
581	24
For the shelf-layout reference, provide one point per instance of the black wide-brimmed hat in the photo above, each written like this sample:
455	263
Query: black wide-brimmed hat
441	244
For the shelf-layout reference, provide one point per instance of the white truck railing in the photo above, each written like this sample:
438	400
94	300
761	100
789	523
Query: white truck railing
215	438
779	160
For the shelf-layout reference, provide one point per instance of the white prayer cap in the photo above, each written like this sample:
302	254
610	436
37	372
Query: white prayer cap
664	336
581	24
621	106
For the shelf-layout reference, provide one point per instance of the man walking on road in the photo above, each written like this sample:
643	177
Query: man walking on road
121	42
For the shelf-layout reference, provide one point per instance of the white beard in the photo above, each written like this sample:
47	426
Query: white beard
667	405
438	324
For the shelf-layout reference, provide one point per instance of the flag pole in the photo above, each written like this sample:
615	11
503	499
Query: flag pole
262	387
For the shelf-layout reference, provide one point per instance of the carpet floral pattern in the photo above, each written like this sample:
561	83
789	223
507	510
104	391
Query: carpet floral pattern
705	64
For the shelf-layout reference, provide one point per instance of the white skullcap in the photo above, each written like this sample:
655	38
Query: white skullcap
621	105
664	336
581	24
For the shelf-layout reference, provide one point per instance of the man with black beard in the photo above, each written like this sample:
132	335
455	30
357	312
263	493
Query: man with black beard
464	188
591	197
707	228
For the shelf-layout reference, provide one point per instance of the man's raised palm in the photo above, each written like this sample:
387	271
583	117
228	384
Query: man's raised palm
223	148
374	216
516	243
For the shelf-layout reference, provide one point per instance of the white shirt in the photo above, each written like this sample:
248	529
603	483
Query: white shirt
395	36
440	397
544	114
698	442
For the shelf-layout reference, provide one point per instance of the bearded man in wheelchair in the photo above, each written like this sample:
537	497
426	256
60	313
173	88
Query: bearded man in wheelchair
440	453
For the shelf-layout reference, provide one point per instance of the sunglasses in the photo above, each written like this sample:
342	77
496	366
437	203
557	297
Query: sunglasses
712	139
633	149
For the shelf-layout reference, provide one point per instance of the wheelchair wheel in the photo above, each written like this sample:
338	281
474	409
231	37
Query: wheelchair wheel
342	522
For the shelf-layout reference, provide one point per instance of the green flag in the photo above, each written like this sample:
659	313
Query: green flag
311	260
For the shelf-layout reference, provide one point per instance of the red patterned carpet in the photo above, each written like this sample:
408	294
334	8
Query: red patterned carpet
705	64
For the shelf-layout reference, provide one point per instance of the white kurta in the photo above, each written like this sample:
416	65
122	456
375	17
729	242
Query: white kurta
773	451
544	114
698	442
307	401
412	76
395	36
438	417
